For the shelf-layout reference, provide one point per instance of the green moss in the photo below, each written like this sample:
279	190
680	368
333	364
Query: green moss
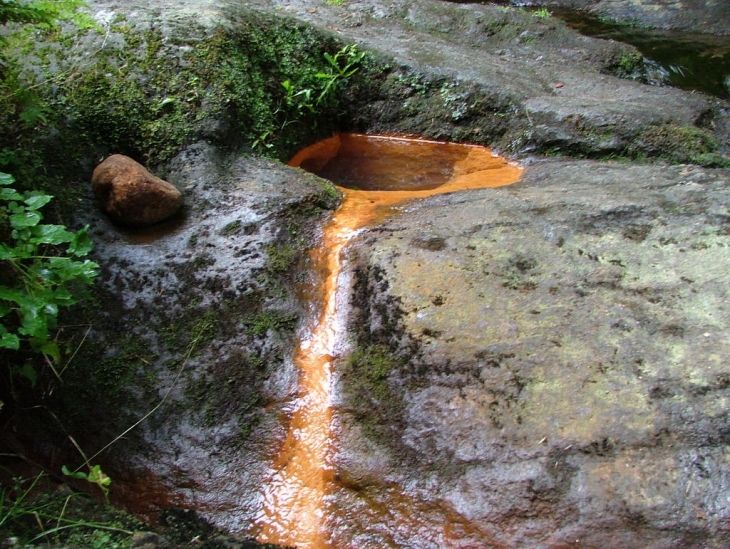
330	197
277	321
365	377
101	387
287	255
441	108
204	329
146	94
233	228
373	364
681	144
228	390
628	62
280	257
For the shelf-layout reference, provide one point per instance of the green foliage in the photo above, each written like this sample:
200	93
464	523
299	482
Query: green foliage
96	539
342	65
147	96
94	476
29	517
542	12
42	270
150	97
42	13
14	501
24	111
310	97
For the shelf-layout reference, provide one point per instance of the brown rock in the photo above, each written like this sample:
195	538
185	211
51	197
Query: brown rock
132	195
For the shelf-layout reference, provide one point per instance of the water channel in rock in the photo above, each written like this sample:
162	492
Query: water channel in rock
375	174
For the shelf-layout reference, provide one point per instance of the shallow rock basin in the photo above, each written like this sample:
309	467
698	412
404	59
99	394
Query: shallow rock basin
375	171
404	164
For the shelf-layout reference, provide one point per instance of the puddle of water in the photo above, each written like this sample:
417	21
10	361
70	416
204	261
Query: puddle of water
148	235
374	173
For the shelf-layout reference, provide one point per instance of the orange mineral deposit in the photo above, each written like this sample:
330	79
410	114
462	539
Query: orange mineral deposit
374	173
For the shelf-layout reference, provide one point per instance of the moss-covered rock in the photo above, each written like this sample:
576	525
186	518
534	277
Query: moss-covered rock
508	78
146	87
451	388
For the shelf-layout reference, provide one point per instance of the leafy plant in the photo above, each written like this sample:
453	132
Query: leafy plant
23	108
342	65
94	476
30	516
42	12
301	101
42	270
13	504
541	12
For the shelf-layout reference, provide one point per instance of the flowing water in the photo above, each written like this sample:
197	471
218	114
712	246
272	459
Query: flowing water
375	174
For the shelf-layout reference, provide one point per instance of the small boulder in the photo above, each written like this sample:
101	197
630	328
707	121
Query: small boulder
131	195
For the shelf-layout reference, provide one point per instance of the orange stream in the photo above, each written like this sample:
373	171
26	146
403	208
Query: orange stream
303	475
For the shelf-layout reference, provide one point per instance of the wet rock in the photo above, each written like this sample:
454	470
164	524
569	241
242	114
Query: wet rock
555	348
149	540
131	195
197	320
488	73
561	371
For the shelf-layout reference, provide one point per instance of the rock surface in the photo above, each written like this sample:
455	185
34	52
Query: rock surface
504	77
563	359
131	195
491	75
193	330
